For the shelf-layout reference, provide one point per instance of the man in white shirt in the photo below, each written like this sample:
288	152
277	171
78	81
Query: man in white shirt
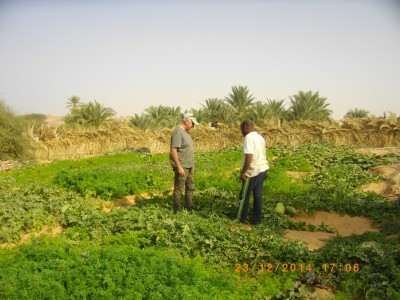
254	167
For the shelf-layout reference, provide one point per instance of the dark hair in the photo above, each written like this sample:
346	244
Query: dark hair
247	123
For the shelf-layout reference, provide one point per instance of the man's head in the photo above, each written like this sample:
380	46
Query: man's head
246	127
189	120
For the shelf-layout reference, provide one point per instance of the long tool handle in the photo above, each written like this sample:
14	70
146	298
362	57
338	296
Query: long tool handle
244	193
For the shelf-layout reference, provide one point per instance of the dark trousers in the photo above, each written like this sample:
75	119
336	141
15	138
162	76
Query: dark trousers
183	183
255	188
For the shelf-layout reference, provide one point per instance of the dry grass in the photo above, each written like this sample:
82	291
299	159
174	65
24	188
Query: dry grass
357	133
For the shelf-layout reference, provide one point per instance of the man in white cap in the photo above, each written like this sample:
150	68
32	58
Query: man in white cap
182	162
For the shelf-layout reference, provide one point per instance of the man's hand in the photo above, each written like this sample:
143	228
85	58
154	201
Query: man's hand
175	159
181	171
247	162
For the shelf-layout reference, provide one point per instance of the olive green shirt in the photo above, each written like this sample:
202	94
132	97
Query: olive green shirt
182	140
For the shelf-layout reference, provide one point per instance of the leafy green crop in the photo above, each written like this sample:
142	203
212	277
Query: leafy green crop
319	155
145	251
47	269
110	184
126	163
25	210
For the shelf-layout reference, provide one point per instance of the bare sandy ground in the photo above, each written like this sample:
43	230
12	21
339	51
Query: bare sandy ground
343	225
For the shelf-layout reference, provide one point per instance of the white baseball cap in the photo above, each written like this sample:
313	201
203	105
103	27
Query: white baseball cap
189	116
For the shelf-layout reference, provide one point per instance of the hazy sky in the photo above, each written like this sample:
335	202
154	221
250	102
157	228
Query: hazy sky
129	55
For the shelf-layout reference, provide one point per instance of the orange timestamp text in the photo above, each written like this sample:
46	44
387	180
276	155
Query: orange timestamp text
272	267
340	267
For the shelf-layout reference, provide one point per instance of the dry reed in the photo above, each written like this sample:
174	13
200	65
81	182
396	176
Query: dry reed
357	133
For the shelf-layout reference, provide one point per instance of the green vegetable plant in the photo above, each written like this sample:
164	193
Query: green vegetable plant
144	250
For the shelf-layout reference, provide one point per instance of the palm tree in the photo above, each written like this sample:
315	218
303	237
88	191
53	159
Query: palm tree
174	115
175	111
228	114
157	117
277	108
142	121
308	106
356	113
169	122
157	113
95	114
73	103
240	100
260	112
74	120
160	114
212	110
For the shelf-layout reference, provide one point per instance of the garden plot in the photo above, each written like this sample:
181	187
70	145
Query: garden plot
107	224
347	225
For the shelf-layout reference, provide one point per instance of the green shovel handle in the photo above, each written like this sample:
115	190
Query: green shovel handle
244	193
